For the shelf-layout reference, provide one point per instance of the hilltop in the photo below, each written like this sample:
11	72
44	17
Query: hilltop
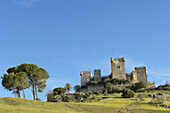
112	104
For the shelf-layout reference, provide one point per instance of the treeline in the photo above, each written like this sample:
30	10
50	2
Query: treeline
24	76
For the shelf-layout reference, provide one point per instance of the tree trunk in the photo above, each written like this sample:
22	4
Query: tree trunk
33	91
18	93
23	93
36	92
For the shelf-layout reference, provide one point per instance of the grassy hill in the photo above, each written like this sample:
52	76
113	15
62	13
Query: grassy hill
113	104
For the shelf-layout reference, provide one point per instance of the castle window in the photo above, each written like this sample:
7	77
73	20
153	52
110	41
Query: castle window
118	67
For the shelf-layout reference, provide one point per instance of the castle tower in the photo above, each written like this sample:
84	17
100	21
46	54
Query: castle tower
134	77
85	77
97	75
118	68
141	74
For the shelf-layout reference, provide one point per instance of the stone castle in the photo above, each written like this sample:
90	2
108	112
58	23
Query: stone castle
117	71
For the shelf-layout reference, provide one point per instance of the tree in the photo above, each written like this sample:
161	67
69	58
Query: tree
109	87
15	82
77	88
140	85
127	93
59	91
167	83
68	87
37	77
22	81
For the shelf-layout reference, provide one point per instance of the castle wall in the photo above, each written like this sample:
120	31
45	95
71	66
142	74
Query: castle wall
92	88
118	68
95	88
151	85
85	77
97	75
134	77
141	74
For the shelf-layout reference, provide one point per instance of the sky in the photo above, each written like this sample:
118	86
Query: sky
68	36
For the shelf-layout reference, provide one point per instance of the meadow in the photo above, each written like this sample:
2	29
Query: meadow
112	104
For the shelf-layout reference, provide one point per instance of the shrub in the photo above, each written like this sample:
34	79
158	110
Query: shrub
68	98
77	88
116	90
137	86
59	91
50	97
127	93
97	92
158	100
115	81
140	85
57	98
141	97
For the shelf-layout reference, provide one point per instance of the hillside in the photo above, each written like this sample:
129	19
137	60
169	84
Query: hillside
110	105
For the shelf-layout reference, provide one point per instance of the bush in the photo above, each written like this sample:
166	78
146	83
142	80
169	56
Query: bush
50	97
138	86
127	93
77	88
97	92
57	98
158	100
68	98
59	91
141	97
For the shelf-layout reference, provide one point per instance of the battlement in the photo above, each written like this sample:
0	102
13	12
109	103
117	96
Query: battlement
118	59
84	73
139	68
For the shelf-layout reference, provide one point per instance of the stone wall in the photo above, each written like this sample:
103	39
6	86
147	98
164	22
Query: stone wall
95	88
151	85
92	88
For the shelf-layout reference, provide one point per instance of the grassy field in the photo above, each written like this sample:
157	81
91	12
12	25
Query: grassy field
113	104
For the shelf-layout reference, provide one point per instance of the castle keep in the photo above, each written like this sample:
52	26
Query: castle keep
117	71
118	68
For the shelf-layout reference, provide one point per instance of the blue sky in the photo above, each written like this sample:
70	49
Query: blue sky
69	36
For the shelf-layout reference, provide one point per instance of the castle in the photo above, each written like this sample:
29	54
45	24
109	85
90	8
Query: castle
117	71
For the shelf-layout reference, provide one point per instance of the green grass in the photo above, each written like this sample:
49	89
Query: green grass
112	104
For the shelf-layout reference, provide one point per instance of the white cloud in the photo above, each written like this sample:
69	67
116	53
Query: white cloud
25	2
28	3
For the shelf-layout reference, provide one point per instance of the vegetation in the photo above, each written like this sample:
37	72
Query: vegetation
77	88
113	103
59	91
24	76
138	86
68	87
127	93
15	82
